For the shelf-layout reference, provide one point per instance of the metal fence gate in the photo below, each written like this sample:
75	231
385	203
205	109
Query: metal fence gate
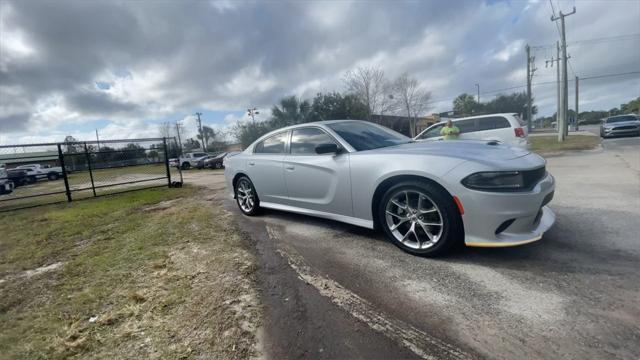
62	172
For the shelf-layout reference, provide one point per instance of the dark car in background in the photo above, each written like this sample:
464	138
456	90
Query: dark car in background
620	125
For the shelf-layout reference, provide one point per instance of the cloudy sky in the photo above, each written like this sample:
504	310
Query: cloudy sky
123	67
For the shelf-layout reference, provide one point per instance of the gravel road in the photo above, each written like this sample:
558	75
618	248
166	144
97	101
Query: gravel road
337	291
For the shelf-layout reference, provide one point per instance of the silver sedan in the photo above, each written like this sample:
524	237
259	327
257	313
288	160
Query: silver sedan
425	196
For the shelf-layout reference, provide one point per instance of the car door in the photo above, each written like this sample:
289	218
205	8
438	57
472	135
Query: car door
265	168
319	182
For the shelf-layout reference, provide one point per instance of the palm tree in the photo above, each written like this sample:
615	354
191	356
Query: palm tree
290	111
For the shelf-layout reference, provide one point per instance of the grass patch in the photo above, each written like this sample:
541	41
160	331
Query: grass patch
158	273
549	144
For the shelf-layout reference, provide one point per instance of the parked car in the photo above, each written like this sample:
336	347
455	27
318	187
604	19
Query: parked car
215	162
201	162
37	172
6	185
620	125
19	177
188	160
509	129
426	196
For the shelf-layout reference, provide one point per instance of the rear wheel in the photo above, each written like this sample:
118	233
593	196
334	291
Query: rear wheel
186	166
246	196
52	176
420	219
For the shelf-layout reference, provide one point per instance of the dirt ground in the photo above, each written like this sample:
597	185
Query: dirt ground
160	273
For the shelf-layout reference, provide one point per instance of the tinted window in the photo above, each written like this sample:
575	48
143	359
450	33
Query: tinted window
466	126
491	123
366	136
304	141
272	145
432	132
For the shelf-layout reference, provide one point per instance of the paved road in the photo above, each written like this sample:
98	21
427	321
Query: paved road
574	294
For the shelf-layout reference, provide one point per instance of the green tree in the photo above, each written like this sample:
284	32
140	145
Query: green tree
511	103
246	133
208	135
466	104
334	106
290	111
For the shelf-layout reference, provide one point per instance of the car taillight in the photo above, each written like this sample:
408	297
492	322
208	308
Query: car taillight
519	132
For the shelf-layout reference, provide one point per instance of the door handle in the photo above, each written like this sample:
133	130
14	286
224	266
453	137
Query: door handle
251	163
289	167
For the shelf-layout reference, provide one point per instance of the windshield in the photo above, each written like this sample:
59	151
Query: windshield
618	119
366	136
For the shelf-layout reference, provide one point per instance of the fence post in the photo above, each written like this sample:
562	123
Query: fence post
86	153
166	160
64	173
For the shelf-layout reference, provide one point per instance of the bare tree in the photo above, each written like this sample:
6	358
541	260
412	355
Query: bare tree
165	129
411	98
370	86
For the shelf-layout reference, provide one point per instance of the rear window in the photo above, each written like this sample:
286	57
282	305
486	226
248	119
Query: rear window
492	123
272	145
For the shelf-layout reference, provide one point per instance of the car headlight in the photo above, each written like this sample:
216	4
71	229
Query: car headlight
495	181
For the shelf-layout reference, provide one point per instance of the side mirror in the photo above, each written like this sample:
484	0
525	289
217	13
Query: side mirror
329	148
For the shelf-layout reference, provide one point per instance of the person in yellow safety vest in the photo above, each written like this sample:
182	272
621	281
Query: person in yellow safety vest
450	131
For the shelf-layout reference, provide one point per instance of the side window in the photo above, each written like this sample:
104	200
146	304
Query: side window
305	140
433	132
491	123
466	126
272	145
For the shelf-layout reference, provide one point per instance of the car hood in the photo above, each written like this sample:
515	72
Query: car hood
462	149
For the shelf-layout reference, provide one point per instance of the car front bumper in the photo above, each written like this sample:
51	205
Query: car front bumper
617	131
499	219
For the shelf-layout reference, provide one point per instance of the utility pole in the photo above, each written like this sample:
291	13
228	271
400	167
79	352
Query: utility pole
559	116
179	140
556	61
98	139
530	70
478	87
204	149
565	80
577	110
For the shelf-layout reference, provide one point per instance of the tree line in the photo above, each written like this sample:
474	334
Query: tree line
369	93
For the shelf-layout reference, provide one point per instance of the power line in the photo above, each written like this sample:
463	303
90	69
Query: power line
589	41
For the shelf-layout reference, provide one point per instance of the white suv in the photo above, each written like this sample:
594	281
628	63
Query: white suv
508	129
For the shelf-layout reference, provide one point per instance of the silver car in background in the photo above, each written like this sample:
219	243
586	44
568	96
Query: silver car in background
425	196
620	125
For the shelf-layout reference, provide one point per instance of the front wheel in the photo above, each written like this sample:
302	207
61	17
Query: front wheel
246	196
186	166
52	176
420	218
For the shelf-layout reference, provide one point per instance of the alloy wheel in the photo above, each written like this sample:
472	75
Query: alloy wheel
414	219
246	196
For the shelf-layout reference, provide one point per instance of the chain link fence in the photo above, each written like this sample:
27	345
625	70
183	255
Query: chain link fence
38	174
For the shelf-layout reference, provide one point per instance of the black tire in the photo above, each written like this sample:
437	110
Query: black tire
53	176
186	165
31	180
255	209
452	230
218	165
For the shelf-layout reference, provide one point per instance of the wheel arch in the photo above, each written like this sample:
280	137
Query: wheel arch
384	185
234	182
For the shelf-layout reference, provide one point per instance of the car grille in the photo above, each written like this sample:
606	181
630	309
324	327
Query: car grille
532	177
628	127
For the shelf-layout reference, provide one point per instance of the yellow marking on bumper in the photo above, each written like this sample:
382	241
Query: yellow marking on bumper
503	244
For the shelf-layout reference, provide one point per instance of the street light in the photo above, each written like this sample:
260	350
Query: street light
252	113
